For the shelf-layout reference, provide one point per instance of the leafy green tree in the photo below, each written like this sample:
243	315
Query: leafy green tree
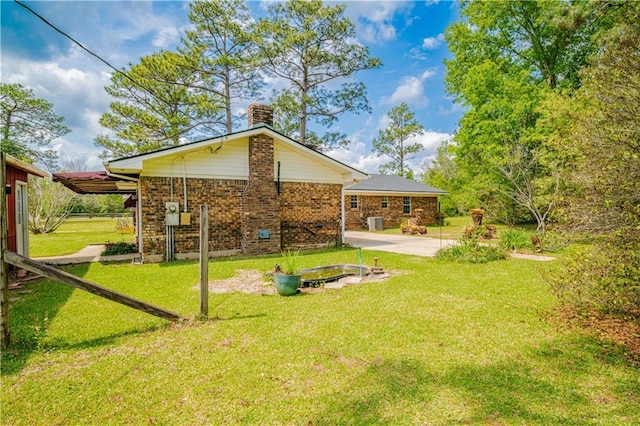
287	120
28	125
156	107
50	205
550	40
393	142
443	172
223	49
313	47
604	138
509	57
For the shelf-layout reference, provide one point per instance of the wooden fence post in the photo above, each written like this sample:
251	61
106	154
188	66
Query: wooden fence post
93	288
4	268
204	262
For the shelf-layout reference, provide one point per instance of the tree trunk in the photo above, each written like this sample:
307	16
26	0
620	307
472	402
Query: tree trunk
227	101
303	110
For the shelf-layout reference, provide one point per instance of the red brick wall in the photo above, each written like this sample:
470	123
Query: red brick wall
257	114
371	206
260	203
223	198
310	214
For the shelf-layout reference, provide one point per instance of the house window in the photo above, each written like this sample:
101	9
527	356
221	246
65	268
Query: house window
385	202
354	201
406	205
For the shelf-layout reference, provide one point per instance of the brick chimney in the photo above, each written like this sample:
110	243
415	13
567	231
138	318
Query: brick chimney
260	201
257	114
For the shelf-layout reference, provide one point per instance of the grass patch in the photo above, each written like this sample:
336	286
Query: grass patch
470	251
75	234
438	343
515	239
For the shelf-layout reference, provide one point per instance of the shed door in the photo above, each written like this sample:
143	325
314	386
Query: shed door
22	219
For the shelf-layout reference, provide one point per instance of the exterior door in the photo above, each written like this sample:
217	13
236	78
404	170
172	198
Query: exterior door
22	219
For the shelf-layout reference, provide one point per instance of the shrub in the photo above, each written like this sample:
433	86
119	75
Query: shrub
548	242
515	239
124	226
605	280
479	232
477	215
112	249
469	250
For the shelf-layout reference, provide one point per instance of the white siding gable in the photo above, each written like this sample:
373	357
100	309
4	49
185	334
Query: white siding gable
231	161
298	164
203	159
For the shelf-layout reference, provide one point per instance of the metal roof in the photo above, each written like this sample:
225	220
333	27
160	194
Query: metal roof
95	183
391	184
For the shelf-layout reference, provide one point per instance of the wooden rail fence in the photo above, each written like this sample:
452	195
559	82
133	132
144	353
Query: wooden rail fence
82	284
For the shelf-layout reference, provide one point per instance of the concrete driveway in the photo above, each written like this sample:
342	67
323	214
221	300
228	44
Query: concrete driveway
405	244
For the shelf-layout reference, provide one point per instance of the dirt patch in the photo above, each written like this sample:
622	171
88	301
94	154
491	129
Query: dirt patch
623	331
244	281
256	282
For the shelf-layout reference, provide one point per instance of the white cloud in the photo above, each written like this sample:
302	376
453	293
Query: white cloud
430	142
411	90
166	37
374	20
76	95
359	154
71	79
70	150
431	43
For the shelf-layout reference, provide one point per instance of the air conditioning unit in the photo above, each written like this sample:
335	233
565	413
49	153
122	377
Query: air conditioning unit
375	223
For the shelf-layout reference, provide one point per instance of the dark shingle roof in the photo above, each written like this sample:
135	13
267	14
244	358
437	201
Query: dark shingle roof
392	183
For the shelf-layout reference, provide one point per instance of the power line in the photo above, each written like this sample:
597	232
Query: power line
95	55
104	61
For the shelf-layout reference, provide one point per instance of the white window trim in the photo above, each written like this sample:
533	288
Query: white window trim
405	205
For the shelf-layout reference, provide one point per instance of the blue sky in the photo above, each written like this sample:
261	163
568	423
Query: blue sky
406	36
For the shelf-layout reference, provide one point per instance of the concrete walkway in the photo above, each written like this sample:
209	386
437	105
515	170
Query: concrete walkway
91	253
413	244
405	244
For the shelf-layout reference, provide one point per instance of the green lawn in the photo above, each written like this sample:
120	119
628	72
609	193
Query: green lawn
75	234
436	344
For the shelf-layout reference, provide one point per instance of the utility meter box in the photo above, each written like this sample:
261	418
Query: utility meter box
172	213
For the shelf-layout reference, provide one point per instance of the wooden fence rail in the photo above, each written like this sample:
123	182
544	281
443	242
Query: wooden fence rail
77	282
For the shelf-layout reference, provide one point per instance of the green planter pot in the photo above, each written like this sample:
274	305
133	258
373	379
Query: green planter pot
287	285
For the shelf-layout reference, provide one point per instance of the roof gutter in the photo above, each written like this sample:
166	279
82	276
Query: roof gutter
123	177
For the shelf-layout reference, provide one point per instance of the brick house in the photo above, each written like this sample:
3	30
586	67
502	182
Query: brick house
265	192
17	175
393	198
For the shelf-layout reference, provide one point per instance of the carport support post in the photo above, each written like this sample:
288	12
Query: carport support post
204	262
4	267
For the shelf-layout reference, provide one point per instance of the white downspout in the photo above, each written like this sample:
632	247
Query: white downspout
139	221
342	213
